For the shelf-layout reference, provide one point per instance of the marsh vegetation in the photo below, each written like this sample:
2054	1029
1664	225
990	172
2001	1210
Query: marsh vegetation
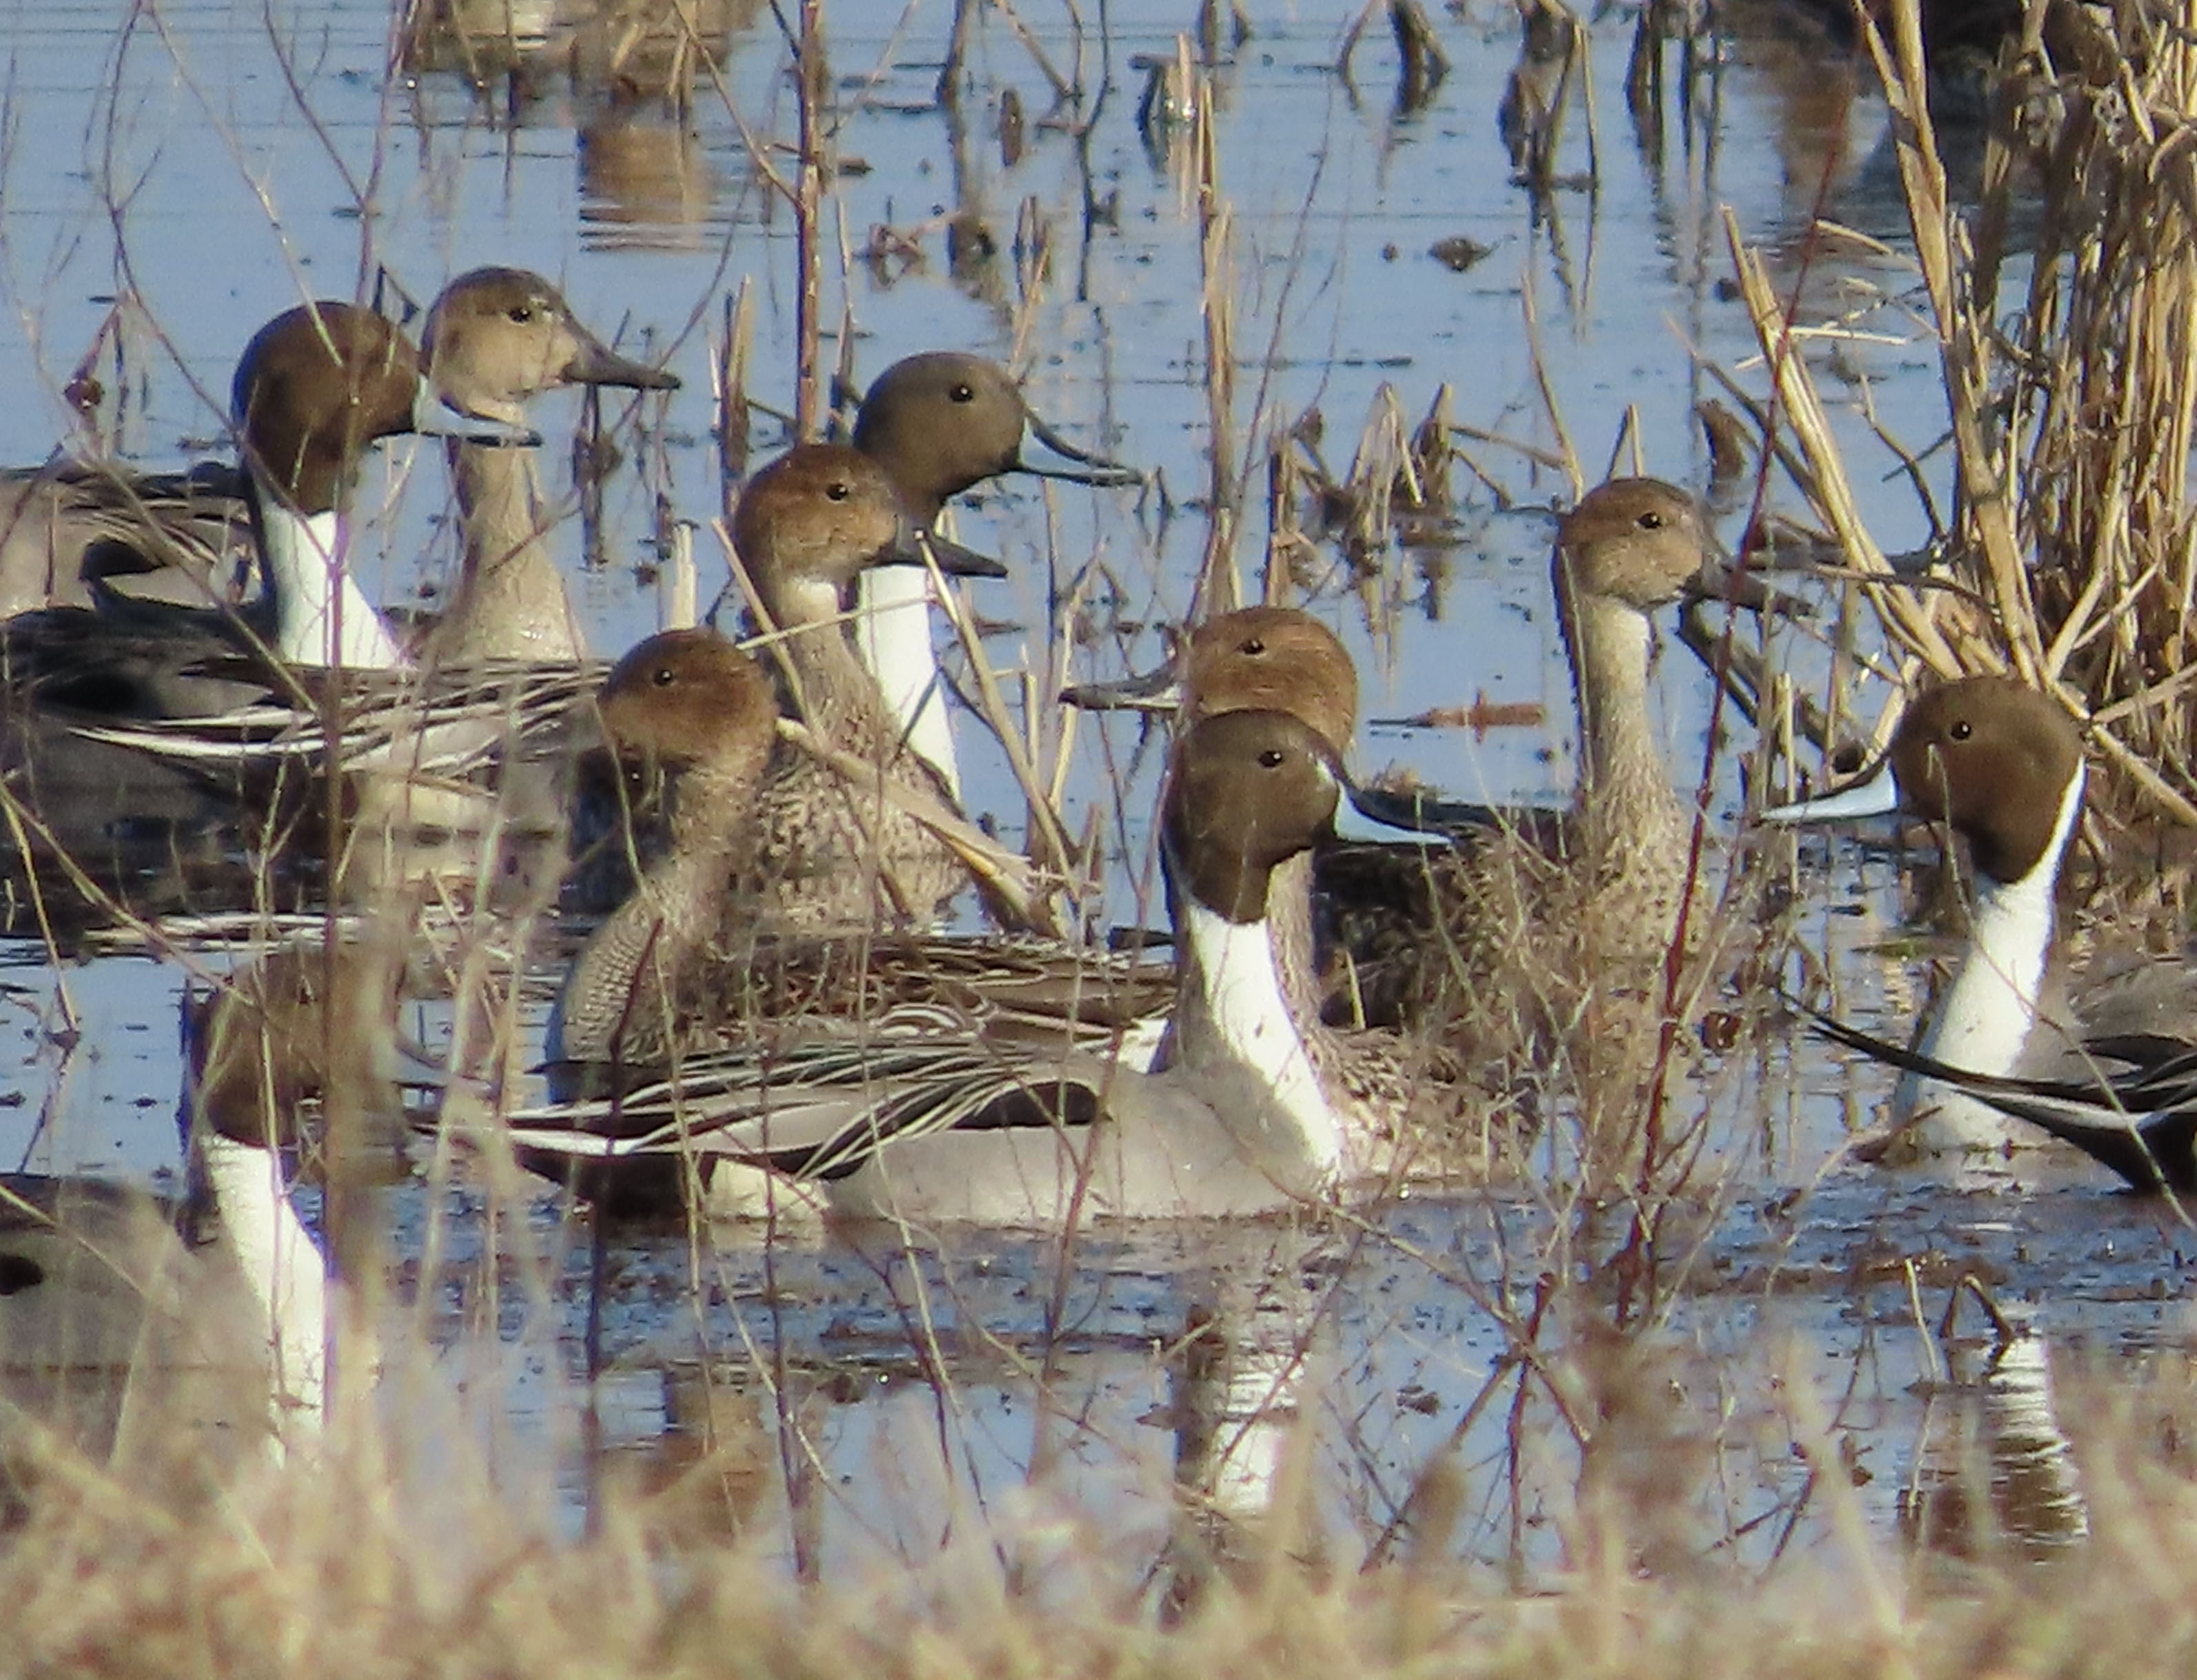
1656	1380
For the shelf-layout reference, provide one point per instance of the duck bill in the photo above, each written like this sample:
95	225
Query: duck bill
1159	691
1876	795
1357	819
1076	465
434	415
914	546
596	363
1744	587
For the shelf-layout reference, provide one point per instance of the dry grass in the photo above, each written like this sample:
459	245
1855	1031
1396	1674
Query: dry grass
393	1555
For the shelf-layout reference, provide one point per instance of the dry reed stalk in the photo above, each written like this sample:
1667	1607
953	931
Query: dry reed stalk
1912	620
1986	473
734	357
814	78
1287	545
1383	470
1219	586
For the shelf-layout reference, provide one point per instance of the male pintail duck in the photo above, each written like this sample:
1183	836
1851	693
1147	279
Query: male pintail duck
1423	931
72	528
929	1125
1284	660
842	844
680	969
2134	1112
98	1278
317	386
502	660
2002	766
677	970
942	423
315	389
87	534
1259	658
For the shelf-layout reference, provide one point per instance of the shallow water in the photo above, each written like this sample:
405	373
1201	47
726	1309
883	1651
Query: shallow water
213	167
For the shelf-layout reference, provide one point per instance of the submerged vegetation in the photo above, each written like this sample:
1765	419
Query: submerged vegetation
1510	1440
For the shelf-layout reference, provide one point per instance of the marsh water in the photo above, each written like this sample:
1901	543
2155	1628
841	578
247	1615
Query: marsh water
209	163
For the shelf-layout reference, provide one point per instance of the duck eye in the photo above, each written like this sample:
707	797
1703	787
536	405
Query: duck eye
663	676
1651	520
838	489
519	314
964	392
1272	758
1255	646
1961	729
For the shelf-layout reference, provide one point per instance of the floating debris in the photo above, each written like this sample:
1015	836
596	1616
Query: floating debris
1458	253
1482	716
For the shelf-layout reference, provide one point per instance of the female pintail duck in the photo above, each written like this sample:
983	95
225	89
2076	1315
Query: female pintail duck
2002	766
942	423
680	969
1596	888
495	339
926	1124
842	844
1423	932
100	1279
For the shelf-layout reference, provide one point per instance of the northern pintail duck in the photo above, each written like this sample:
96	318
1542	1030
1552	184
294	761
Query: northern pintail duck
1278	659
315	389
72	528
680	969
1425	931
842	844
84	534
926	1124
2000	765
2133	1109
1592	889
226	1295
677	971
941	423
1259	658
495	339
503	658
